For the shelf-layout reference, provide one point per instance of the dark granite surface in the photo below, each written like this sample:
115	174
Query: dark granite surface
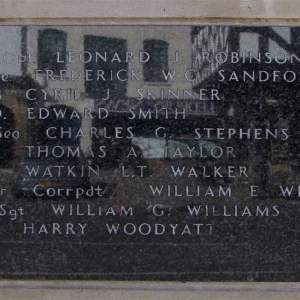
93	189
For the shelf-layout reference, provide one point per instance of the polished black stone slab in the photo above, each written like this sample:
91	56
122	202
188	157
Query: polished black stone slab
145	152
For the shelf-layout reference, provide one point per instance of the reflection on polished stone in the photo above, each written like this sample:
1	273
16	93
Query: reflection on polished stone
150	153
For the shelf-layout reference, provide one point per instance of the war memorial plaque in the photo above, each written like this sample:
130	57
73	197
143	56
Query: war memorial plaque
150	152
